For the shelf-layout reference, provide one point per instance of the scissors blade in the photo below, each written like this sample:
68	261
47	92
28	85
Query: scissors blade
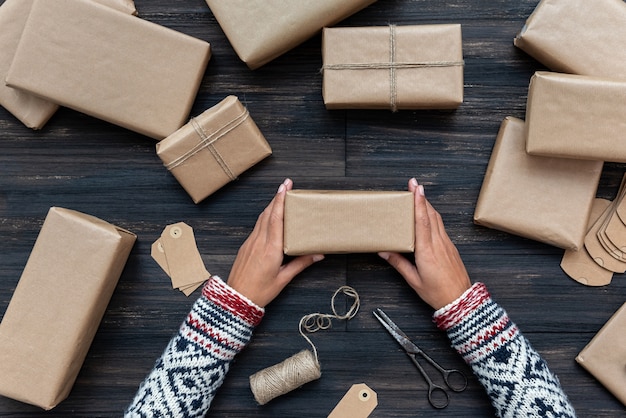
396	332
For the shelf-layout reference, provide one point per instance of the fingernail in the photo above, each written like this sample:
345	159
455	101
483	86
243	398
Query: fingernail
287	181
318	257
413	182
384	256
420	190
281	188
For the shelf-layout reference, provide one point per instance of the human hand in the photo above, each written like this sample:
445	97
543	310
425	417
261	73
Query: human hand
438	275
258	271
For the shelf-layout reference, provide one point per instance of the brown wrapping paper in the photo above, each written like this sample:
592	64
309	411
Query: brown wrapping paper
605	355
213	148
58	304
544	199
29	109
574	116
261	30
109	65
328	221
577	36
393	67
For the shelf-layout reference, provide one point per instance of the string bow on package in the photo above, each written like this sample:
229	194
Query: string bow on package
304	366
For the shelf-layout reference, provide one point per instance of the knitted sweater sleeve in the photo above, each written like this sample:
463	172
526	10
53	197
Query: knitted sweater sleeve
514	375
194	364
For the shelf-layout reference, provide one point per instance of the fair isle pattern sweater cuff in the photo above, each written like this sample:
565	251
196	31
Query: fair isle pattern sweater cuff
228	298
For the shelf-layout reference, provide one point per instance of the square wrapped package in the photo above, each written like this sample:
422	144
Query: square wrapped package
573	116
261	30
577	36
544	199
333	221
58	304
605	355
213	148
29	109
393	67
109	65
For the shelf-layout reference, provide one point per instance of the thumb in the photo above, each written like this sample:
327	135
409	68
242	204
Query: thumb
402	265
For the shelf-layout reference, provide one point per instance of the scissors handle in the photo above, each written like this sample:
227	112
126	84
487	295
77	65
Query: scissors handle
455	379
437	395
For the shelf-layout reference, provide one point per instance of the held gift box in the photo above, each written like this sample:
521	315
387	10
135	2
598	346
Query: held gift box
329	221
58	304
540	198
393	67
605	355
109	65
213	148
574	116
29	109
577	36
261	30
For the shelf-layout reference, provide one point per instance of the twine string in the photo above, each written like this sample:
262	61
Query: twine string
393	93
208	142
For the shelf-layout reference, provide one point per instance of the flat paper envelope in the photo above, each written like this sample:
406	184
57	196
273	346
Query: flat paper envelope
333	221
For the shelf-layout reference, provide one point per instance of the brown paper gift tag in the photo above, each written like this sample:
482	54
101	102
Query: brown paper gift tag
579	265
597	251
577	36
605	355
58	304
545	199
213	148
31	110
335	221
358	402
393	67
574	116
134	84
261	30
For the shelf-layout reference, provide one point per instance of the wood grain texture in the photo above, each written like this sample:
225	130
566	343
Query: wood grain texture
88	165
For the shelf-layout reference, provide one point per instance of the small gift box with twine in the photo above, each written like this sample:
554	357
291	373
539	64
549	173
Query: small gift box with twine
393	67
213	148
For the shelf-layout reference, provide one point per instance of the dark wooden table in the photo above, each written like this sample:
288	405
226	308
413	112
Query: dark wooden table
88	165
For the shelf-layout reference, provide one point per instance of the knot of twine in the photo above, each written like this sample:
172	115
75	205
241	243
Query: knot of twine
392	66
208	142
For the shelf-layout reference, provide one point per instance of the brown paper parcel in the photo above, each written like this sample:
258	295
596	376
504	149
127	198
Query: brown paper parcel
109	65
573	116
58	304
393	67
261	30
213	148
333	221
605	355
544	199
29	109
577	36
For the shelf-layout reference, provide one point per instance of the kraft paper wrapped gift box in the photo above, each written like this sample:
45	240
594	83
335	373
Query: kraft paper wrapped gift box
58	304
577	36
333	221
261	30
29	109
110	65
573	116
213	148
393	67
605	355
544	199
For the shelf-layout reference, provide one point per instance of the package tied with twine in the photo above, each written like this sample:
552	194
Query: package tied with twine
574	116
577	36
393	67
58	304
262	30
540	198
213	148
348	221
31	110
605	355
109	65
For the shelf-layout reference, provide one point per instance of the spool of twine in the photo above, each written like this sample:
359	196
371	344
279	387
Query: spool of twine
303	367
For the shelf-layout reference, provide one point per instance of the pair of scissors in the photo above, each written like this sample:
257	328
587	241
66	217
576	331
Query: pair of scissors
454	379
